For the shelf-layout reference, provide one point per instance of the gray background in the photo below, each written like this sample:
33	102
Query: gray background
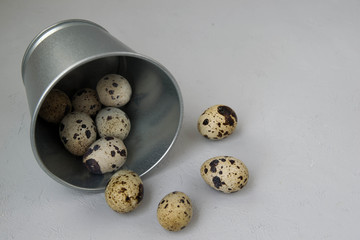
290	69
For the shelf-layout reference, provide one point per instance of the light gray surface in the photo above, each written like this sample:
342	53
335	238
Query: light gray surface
290	69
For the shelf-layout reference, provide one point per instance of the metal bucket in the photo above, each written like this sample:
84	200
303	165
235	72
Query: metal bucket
75	54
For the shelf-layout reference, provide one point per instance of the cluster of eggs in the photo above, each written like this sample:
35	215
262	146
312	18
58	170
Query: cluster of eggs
91	124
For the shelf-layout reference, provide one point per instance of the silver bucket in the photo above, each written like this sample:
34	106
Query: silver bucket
75	54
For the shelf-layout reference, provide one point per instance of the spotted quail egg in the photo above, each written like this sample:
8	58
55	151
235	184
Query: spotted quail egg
86	100
114	90
225	173
55	106
113	122
105	155
77	132
124	191
174	211
217	122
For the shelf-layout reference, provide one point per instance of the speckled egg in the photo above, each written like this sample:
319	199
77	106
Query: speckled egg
55	106
225	173
113	122
77	132
105	155
114	90
86	100
174	211
124	191
217	122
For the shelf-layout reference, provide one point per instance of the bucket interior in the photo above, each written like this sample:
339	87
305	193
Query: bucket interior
155	112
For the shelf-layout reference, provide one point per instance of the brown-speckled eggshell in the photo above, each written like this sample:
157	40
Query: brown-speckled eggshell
105	155
124	191
217	122
174	211
77	132
86	100
225	173
55	106
114	90
113	122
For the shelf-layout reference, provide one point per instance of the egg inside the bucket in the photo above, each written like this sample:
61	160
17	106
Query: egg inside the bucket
86	100
105	155
113	122
56	105
77	132
114	90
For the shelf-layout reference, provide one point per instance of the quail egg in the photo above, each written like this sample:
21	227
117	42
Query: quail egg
105	155
86	100
225	173
113	122
56	105
124	191
217	122
174	211
114	90
77	132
